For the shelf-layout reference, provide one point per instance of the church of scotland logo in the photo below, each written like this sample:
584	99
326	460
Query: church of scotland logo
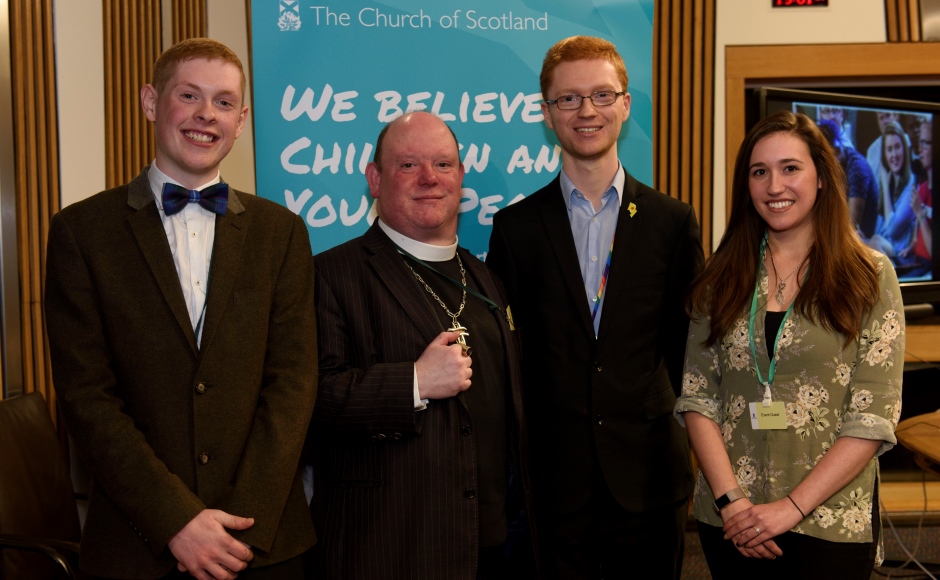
290	15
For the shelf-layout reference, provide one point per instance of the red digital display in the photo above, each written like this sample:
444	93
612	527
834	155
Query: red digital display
797	3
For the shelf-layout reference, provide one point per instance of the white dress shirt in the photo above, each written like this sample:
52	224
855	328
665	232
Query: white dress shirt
191	234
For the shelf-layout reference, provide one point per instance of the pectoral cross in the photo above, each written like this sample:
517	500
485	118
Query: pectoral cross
462	339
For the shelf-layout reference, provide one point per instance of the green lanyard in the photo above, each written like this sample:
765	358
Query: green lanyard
750	331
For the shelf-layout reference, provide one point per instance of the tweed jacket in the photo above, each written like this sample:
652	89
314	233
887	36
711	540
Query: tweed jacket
167	428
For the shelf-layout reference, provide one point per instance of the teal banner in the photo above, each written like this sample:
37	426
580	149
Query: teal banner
328	76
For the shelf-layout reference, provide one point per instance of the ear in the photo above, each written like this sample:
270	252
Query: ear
373	176
242	117
627	99
148	101
546	113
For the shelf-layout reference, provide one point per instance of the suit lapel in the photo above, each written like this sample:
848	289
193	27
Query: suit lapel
148	230
230	230
625	241
390	268
558	233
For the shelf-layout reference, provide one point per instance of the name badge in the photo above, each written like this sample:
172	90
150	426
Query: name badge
773	416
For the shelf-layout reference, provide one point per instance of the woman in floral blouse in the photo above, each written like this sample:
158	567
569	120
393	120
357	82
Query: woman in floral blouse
792	382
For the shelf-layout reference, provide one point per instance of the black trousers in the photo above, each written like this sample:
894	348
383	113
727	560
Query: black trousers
606	542
804	557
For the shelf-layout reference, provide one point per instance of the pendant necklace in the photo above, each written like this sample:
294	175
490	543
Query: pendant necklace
456	327
782	282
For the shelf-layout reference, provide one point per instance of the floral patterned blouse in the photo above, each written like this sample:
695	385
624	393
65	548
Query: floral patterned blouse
830	390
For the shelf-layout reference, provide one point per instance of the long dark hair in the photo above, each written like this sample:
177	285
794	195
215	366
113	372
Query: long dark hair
843	279
904	176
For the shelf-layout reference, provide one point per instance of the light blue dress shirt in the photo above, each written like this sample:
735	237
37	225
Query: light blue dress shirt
593	233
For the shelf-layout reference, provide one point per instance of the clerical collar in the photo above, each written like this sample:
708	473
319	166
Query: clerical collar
568	188
158	178
426	252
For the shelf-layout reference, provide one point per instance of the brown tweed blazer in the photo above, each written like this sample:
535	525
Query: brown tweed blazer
166	428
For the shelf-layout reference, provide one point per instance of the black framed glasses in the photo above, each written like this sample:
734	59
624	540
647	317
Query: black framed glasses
599	99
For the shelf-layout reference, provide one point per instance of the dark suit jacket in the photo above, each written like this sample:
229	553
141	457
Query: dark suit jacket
609	397
393	488
168	429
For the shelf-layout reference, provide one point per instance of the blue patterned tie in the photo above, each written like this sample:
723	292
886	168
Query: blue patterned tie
213	198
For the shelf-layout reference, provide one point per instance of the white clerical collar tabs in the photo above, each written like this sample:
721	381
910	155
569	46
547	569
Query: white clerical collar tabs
426	252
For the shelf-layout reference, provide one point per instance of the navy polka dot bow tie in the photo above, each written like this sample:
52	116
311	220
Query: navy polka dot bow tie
213	198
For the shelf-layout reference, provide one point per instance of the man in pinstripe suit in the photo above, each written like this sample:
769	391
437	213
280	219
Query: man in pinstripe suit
417	432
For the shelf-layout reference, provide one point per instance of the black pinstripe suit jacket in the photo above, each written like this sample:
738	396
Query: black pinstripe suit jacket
391	485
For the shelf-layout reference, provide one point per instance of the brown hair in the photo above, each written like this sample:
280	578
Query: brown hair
894	128
842	280
165	67
580	48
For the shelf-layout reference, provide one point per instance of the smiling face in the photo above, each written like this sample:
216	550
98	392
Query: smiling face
783	183
417	180
591	132
894	152
197	117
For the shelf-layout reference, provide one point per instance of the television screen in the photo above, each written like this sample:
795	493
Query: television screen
885	147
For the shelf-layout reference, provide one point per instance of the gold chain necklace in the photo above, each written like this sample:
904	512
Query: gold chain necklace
782	283
457	327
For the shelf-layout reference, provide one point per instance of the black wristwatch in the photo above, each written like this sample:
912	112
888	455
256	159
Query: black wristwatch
733	495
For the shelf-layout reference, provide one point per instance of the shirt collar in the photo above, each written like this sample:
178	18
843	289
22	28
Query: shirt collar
158	178
420	250
568	189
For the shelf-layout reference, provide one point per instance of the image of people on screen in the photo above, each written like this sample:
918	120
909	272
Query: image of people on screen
841	117
896	218
919	252
862	190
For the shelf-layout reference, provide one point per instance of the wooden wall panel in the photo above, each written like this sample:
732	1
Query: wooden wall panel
902	20
35	137
132	33
190	19
683	115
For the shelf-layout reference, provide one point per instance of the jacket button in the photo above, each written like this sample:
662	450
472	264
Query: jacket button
380	437
467	430
200	387
598	420
470	493
396	436
598	368
203	458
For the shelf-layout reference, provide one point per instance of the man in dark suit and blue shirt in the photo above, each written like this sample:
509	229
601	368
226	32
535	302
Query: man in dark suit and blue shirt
418	429
181	327
596	266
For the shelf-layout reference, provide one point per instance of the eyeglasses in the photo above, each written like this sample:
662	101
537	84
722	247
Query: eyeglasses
599	99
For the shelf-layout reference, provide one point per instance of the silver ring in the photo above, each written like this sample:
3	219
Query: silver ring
757	530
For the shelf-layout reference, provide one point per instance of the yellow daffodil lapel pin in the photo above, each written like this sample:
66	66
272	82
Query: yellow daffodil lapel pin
632	209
